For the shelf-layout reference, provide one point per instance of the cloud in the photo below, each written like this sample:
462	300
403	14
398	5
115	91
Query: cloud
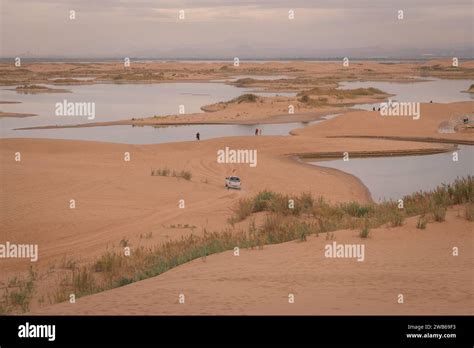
221	27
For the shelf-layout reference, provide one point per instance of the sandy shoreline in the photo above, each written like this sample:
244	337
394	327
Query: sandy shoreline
187	120
420	139
15	114
29	90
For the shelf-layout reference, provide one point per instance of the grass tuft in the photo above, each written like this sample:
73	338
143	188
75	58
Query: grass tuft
185	174
469	213
439	213
18	293
364	233
421	223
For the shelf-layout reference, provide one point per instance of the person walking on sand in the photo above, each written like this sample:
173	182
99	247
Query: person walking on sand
198	136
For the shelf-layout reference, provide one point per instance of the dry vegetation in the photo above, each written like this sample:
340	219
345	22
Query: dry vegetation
38	89
185	174
318	96
287	218
302	74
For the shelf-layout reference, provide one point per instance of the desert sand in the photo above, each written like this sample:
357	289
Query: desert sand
403	260
371	123
118	200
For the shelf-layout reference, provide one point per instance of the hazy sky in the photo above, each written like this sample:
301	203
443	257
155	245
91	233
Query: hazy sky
235	28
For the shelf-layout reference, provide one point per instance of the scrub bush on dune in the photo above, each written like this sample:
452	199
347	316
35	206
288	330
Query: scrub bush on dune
311	216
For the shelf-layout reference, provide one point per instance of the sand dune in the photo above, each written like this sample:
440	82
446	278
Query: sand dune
404	260
118	200
371	123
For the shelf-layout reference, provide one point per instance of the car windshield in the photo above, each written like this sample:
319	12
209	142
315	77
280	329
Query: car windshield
233	178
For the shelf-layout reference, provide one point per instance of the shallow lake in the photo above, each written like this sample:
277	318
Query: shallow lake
157	135
125	101
117	101
436	90
391	178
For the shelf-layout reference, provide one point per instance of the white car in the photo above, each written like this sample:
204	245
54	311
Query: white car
232	182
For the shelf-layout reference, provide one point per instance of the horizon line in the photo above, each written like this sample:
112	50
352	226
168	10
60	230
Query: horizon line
328	58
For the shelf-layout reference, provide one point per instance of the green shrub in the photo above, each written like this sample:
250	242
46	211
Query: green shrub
355	209
263	200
